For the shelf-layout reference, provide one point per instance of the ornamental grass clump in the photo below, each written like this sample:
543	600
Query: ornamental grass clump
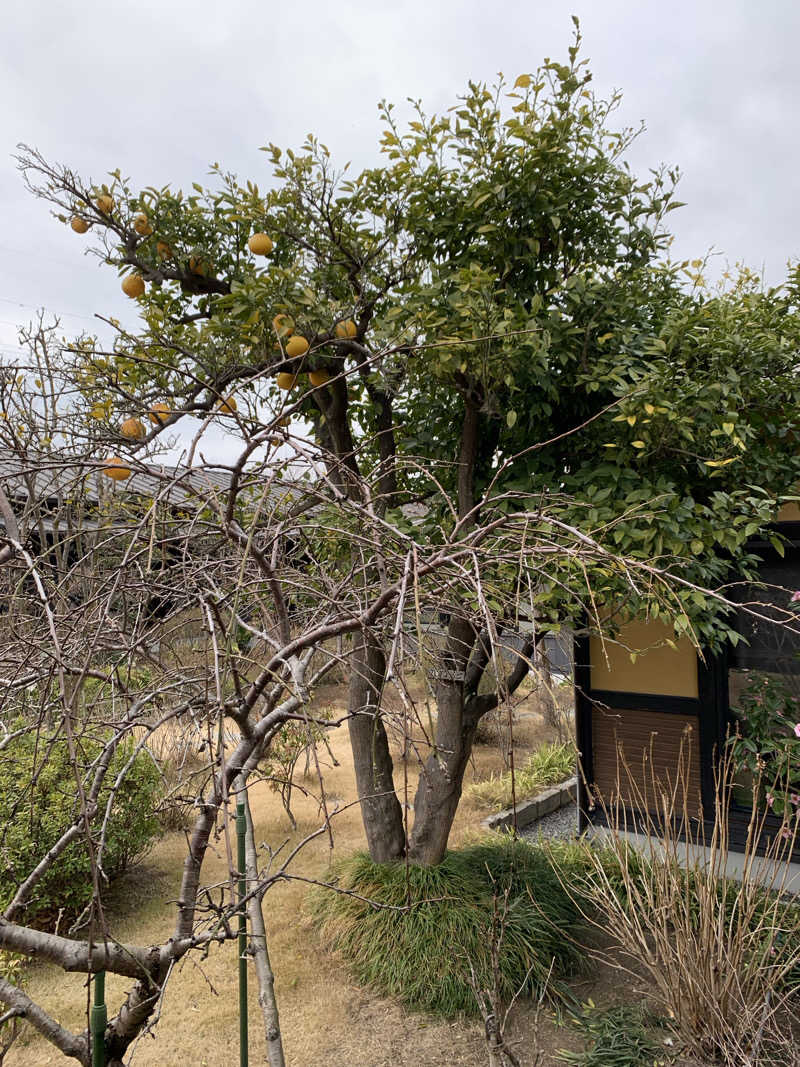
721	954
548	765
412	932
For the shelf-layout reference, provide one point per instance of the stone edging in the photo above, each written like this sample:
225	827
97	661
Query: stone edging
529	811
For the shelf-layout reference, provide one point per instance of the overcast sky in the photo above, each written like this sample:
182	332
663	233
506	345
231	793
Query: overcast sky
161	88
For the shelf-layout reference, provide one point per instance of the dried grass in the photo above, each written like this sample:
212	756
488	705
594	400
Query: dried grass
722	956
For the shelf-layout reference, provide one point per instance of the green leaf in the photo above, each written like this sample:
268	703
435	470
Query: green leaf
777	544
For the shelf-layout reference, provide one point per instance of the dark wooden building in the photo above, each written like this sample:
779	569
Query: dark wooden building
647	707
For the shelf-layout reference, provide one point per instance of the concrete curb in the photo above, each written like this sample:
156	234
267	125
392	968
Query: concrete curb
529	811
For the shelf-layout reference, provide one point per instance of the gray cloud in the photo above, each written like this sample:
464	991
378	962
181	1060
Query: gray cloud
161	89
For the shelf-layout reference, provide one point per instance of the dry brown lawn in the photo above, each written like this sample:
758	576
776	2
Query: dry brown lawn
326	1019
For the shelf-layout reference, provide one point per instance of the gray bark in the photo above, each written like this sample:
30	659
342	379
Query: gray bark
73	1046
380	808
260	950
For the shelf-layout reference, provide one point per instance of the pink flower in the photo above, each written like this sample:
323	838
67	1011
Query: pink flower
795	597
770	800
797	729
795	799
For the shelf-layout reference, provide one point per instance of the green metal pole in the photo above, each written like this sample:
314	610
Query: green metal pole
241	860
98	1020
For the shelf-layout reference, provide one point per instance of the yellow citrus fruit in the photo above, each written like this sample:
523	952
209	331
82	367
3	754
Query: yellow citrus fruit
319	377
133	429
116	470
79	225
104	203
285	380
227	406
296	346
260	245
346	329
133	286
142	225
159	413
163	249
283	325
198	266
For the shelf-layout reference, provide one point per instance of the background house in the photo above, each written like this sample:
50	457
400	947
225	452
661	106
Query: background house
667	701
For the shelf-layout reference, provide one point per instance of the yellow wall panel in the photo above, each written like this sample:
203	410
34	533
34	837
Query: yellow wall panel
660	669
789	513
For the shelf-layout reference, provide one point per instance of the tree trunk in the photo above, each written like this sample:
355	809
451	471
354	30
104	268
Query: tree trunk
380	808
544	685
440	783
258	942
459	710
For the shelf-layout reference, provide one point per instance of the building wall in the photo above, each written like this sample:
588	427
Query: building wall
638	755
660	669
789	513
642	698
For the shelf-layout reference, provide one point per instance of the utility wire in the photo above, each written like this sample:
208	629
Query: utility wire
40	307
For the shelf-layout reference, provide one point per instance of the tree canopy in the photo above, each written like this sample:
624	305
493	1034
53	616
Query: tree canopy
485	324
507	280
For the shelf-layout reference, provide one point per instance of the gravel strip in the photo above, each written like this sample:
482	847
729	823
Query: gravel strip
560	823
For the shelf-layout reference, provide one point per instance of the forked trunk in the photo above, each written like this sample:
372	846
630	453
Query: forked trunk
380	808
441	781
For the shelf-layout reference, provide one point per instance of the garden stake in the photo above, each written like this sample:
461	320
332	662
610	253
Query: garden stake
241	862
97	1021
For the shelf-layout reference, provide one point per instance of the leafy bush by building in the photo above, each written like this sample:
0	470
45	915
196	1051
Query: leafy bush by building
767	744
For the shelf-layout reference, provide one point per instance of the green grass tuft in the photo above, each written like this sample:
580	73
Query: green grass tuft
420	955
548	765
618	1037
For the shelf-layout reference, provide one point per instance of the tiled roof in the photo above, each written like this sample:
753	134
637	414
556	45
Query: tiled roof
52	479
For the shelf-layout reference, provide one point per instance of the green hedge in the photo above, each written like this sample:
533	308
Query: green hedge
39	801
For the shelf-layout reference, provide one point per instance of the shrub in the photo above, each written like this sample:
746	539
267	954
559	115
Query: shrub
722	956
279	764
548	765
767	744
436	920
38	803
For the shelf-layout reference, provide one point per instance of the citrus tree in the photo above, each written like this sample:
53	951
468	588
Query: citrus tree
481	330
165	628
